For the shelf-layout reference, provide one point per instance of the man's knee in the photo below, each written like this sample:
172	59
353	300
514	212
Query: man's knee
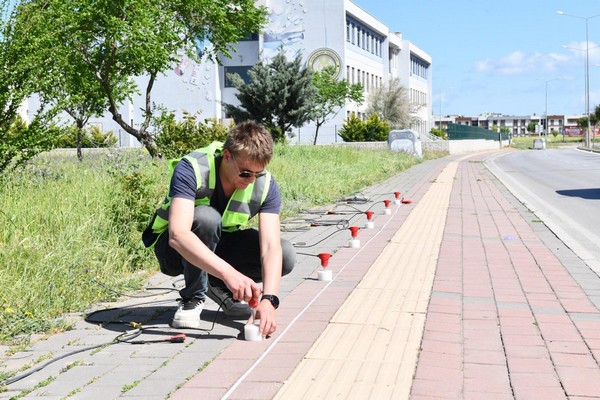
289	257
207	225
206	217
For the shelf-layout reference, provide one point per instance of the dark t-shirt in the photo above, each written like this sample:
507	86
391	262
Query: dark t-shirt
183	185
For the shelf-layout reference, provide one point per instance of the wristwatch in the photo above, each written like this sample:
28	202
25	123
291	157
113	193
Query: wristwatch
272	298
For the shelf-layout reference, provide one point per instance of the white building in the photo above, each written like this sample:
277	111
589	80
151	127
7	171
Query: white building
332	32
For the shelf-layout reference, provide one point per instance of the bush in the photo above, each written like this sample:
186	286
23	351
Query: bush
442	134
353	129
377	130
21	142
92	137
177	138
357	130
136	191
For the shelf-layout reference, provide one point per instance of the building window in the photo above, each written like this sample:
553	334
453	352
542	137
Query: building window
419	67
242	71
250	37
348	30
364	37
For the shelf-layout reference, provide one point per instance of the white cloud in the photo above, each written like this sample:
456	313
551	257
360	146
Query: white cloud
483	65
521	63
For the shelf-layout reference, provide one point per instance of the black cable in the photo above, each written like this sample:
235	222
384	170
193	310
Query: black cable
307	254
336	222
17	378
304	245
165	290
357	198
125	337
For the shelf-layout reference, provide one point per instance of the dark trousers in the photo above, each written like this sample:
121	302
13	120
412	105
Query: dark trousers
240	249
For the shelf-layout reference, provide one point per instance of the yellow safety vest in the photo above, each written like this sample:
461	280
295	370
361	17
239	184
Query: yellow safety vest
243	204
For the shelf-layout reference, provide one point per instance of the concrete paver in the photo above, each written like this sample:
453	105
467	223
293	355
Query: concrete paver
373	339
458	295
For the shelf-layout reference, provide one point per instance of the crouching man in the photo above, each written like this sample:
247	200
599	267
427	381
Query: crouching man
213	193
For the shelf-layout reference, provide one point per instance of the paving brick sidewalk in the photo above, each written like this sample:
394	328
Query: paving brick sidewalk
508	318
510	312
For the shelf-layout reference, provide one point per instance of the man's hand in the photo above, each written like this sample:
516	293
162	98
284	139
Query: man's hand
266	313
242	288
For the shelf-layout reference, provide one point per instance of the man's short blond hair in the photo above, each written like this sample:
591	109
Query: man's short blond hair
250	139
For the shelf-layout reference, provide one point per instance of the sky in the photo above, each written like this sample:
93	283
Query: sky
502	56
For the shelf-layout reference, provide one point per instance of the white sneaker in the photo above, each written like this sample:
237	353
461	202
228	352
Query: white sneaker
188	314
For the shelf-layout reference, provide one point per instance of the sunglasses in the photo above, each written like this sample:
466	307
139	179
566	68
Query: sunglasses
247	174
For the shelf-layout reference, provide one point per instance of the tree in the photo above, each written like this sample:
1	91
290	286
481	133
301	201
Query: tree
531	127
109	43
19	141
595	118
596	113
60	79
582	122
391	103
280	95
332	94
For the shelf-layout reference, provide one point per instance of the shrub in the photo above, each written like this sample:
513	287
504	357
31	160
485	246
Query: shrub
92	137
377	130
136	192
442	134
353	129
373	130
21	142
177	138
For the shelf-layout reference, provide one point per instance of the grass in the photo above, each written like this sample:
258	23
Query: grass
60	232
68	225
526	142
310	175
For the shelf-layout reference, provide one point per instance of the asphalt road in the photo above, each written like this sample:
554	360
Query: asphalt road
562	187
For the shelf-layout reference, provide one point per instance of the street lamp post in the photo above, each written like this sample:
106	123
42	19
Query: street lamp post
587	73
440	112
546	103
440	106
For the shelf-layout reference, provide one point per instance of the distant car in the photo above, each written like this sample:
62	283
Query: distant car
405	140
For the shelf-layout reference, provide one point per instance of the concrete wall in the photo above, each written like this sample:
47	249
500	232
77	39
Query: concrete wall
468	146
451	146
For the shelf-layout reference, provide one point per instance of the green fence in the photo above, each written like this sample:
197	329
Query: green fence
465	132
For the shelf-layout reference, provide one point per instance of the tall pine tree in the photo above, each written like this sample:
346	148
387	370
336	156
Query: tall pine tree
280	95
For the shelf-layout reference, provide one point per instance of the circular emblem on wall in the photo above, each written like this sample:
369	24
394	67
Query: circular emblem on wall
322	58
